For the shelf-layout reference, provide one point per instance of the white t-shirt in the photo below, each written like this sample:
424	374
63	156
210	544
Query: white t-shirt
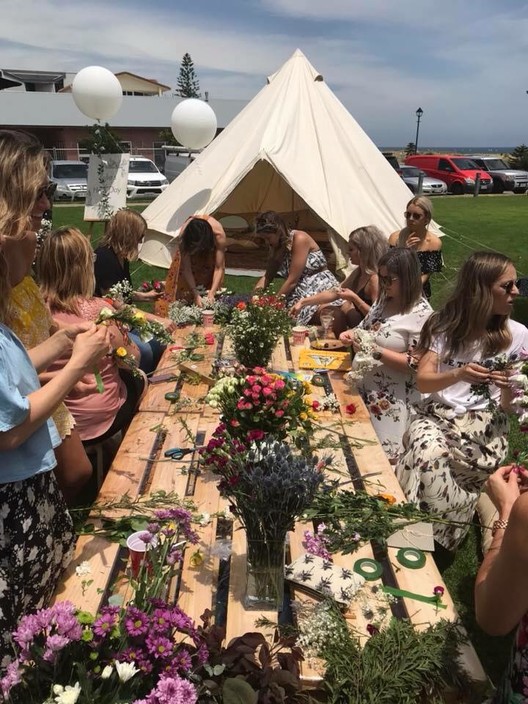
461	396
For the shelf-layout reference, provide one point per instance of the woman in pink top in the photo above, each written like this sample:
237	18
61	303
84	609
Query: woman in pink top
66	276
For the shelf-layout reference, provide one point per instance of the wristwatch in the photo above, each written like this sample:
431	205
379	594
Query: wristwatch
377	354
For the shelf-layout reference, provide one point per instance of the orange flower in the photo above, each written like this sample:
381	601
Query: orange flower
389	498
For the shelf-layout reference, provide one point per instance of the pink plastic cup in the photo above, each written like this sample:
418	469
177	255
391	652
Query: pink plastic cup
207	318
299	333
137	550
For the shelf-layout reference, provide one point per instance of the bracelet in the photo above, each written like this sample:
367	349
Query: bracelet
499	524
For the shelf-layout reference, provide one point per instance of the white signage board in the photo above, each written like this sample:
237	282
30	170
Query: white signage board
107	186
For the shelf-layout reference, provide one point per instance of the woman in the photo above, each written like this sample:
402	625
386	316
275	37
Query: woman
459	436
36	536
120	245
65	274
501	587
297	258
416	235
358	291
386	382
198	264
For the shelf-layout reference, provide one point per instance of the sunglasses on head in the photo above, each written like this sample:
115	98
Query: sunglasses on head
412	216
265	228
48	190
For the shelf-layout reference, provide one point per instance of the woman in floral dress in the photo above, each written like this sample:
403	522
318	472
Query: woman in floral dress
296	257
387	382
459	435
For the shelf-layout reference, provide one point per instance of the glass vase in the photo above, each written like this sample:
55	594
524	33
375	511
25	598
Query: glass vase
265	574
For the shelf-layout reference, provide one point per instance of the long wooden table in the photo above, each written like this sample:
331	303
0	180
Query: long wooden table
140	468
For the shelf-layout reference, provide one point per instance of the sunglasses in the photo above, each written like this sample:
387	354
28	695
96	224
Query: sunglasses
48	190
412	216
387	280
508	286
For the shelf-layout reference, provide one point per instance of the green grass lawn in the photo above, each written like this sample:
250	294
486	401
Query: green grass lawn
469	224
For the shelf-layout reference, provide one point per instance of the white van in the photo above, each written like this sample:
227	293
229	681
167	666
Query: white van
144	178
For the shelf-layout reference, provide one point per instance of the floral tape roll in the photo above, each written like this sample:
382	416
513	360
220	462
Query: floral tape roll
412	558
369	569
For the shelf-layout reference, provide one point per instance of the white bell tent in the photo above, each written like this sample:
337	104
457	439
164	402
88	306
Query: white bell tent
294	149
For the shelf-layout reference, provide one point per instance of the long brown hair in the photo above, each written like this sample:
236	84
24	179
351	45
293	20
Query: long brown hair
124	232
269	223
467	315
65	269
404	263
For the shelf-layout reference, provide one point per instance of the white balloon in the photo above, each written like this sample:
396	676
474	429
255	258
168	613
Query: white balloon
97	92
193	123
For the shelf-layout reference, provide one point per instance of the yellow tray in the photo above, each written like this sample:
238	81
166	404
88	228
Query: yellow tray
324	359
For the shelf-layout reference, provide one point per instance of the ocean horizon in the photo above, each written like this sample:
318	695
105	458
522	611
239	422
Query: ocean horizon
452	150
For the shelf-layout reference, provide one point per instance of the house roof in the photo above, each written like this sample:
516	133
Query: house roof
13	77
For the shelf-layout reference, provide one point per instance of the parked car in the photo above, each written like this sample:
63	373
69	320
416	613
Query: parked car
71	179
458	172
177	160
144	178
430	186
504	178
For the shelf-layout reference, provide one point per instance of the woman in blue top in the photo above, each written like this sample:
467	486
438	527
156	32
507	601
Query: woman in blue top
36	536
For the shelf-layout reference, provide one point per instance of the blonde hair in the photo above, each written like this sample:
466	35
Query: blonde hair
65	269
125	230
23	171
271	222
371	243
467	315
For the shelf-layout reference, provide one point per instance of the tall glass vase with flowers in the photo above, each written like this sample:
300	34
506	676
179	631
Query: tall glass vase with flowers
268	487
255	328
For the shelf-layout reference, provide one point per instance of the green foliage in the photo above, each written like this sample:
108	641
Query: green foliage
398	664
101	140
188	84
518	159
410	149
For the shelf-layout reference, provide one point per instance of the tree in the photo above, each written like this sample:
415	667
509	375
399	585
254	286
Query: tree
188	84
410	149
518	159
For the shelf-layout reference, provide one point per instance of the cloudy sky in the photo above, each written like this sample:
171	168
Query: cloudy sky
464	62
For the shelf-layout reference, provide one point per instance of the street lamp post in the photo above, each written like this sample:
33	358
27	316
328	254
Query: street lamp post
419	114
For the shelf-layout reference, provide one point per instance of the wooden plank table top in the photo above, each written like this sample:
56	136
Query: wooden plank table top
140	468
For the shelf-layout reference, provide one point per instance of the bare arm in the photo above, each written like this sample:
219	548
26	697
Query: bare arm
88	349
501	586
56	345
219	267
429	379
302	243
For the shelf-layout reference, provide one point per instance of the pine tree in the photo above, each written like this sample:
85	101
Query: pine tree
518	159
188	84
410	149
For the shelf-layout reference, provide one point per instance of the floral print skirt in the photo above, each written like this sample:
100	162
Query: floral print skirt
36	544
513	688
447	459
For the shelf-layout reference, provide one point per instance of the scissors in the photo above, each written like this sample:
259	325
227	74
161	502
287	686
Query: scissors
178	453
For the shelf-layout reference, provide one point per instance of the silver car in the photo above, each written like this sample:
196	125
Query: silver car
430	186
71	179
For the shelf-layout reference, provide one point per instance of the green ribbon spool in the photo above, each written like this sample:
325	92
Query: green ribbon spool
368	568
412	558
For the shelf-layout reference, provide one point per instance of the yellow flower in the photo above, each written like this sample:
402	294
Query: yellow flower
138	316
121	352
196	558
303	416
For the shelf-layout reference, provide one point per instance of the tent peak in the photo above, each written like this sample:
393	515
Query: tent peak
297	60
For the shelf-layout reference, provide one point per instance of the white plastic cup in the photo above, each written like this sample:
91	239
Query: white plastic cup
299	333
207	318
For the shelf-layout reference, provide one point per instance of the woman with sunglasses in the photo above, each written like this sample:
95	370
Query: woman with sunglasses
383	372
417	236
460	433
36	536
297	258
360	289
